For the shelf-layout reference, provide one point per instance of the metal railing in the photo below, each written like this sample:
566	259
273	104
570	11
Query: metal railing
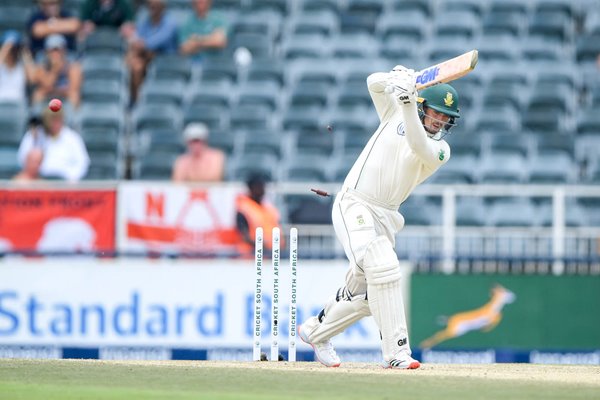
444	246
448	248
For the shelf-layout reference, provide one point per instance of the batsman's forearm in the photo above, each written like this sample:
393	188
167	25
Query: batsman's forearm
377	82
415	134
384	104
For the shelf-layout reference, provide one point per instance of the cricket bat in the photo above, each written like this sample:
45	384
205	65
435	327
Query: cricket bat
447	71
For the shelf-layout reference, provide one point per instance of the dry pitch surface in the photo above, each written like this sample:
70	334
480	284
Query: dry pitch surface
92	379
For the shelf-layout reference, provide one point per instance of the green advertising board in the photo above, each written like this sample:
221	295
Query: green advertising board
501	311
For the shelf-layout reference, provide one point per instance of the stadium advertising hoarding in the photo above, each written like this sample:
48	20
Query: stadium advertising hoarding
545	318
155	309
57	221
176	218
184	309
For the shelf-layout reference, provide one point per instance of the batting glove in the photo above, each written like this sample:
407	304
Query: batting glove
403	87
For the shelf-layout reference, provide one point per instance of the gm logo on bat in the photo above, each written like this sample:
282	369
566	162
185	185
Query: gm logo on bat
428	75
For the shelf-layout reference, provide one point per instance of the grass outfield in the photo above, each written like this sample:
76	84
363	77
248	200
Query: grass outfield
92	379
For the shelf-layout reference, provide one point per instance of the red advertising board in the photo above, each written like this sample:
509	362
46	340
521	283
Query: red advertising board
177	218
57	221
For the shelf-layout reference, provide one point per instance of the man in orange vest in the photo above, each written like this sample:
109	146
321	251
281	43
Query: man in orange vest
253	212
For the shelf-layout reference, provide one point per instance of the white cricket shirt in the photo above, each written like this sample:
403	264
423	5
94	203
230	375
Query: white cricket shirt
399	155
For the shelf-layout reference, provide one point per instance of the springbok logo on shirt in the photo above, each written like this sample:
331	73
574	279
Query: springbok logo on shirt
484	318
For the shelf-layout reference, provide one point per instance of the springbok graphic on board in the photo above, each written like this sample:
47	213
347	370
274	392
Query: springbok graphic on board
483	318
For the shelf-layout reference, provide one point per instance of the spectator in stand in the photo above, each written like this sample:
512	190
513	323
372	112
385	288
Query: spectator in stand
155	34
201	163
16	68
254	211
116	14
57	76
51	19
204	32
31	168
65	155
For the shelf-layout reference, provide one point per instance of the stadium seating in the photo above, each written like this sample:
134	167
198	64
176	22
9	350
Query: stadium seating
104	165
262	94
14	17
306	168
210	94
170	68
307	209
575	214
156	117
252	116
243	165
104	41
417	211
156	165
511	141
517	212
12	123
470	211
103	91
322	22
227	141
552	169
462	169
110	67
502	167
107	117
215	117
310	59
260	141
8	161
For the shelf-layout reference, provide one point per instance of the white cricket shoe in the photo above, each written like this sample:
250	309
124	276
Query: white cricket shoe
324	351
404	361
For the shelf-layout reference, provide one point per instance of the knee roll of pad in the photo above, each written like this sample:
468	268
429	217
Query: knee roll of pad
381	263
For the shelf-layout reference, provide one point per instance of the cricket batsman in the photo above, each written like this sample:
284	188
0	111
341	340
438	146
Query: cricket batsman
406	149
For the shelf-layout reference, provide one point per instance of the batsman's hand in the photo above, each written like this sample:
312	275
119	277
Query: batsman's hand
400	69
402	84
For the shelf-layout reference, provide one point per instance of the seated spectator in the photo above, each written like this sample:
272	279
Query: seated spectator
31	169
201	163
52	19
116	14
204	32
57	77
16	68
254	211
155	34
65	155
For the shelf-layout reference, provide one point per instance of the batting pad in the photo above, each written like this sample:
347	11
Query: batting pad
339	315
382	271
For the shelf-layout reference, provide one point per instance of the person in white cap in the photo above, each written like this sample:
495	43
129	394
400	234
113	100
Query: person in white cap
201	163
57	76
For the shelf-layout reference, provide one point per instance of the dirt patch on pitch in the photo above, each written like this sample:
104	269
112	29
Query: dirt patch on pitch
573	374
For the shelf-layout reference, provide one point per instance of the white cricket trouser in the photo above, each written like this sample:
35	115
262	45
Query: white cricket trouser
357	221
